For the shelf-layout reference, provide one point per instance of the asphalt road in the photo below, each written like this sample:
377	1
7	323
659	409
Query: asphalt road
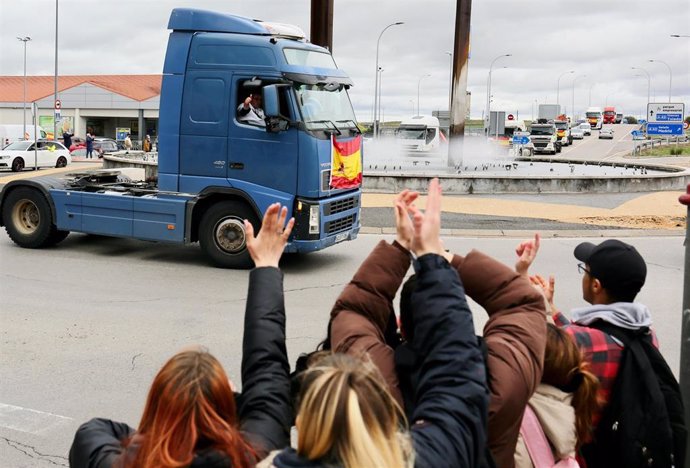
86	325
591	148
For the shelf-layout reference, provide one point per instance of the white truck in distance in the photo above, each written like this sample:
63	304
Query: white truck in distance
549	111
543	138
419	134
595	117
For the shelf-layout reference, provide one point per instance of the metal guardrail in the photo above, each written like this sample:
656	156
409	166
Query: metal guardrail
642	145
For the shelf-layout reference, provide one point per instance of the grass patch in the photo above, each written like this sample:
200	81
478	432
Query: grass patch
668	150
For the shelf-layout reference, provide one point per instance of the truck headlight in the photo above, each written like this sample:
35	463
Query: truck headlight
314	219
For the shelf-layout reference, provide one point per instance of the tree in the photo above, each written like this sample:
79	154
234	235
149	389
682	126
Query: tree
631	119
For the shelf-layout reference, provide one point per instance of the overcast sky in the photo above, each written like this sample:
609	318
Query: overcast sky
601	39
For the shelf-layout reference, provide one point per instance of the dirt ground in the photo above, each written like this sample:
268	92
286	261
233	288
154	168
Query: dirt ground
637	222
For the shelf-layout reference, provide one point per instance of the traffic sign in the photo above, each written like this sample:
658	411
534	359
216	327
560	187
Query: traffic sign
57	114
665	118
664	129
58	105
511	116
520	140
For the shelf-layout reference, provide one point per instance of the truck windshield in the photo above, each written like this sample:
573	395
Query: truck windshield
323	102
592	115
541	131
562	125
411	133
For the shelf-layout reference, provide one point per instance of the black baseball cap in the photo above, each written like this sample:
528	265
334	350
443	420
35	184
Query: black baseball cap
617	265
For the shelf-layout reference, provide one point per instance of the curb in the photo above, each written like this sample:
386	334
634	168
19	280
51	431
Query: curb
527	233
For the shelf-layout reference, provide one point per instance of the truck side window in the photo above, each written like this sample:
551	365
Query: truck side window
430	134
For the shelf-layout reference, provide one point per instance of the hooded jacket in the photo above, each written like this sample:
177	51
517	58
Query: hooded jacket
557	418
264	407
447	427
515	334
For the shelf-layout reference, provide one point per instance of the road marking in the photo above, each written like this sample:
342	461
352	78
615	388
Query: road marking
29	420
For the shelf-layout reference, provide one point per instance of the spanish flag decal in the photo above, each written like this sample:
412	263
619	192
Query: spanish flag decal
346	163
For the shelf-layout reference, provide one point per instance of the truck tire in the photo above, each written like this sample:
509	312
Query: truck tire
558	148
28	220
17	165
222	235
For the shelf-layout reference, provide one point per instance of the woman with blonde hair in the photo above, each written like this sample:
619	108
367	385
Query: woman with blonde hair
191	418
347	417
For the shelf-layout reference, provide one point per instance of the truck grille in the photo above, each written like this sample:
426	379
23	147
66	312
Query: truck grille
340	205
342	224
540	144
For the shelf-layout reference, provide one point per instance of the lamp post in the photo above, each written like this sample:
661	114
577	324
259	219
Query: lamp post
419	82
558	85
376	79
488	88
24	39
670	76
649	80
450	82
679	35
55	137
412	102
378	110
572	110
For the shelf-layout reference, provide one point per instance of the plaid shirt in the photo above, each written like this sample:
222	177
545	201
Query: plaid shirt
601	351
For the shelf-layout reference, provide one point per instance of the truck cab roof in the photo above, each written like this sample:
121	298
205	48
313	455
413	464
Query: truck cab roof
192	19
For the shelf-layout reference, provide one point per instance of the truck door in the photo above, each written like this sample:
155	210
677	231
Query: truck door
260	157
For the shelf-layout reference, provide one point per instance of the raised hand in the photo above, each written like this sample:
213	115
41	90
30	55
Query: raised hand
526	252
405	231
546	288
427	225
267	247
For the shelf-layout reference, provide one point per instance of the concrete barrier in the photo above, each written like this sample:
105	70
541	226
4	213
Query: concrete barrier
138	159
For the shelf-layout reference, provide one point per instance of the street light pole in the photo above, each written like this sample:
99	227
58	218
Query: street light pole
558	86
450	83
55	137
572	110
412	101
378	110
419	82
488	89
376	77
649	80
670	77
24	39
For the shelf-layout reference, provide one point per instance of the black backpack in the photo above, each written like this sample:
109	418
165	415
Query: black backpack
643	422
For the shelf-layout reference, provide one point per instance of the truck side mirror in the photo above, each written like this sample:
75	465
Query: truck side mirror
271	102
275	121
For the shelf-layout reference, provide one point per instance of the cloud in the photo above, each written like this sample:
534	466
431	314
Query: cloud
601	40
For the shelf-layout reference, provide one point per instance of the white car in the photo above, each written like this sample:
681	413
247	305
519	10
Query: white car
606	133
21	154
586	128
577	133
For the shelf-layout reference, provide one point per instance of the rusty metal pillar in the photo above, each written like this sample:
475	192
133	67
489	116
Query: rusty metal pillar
322	23
458	106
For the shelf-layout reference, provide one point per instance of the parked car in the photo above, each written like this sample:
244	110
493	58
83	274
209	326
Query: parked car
577	133
100	145
44	153
586	128
606	133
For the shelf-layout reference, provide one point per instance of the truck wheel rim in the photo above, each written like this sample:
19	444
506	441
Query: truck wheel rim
26	217
230	236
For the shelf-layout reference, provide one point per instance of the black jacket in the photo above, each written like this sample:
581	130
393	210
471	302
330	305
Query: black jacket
448	425
264	407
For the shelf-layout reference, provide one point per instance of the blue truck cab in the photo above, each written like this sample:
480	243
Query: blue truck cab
215	168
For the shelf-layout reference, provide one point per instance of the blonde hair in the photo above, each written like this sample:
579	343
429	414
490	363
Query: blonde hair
347	416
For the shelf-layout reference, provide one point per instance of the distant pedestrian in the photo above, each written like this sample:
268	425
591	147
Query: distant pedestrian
128	143
147	144
89	146
67	138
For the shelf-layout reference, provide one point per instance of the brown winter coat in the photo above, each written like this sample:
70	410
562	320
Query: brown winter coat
515	334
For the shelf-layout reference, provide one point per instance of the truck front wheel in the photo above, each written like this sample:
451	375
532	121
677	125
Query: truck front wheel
222	236
28	219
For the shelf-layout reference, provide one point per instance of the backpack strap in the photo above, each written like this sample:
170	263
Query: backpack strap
621	334
537	445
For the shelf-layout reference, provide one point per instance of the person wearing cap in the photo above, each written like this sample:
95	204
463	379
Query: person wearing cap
613	273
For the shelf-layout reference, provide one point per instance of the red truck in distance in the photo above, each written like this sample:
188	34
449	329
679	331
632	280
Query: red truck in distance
609	115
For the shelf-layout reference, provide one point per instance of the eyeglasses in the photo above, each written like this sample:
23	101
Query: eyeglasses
582	270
